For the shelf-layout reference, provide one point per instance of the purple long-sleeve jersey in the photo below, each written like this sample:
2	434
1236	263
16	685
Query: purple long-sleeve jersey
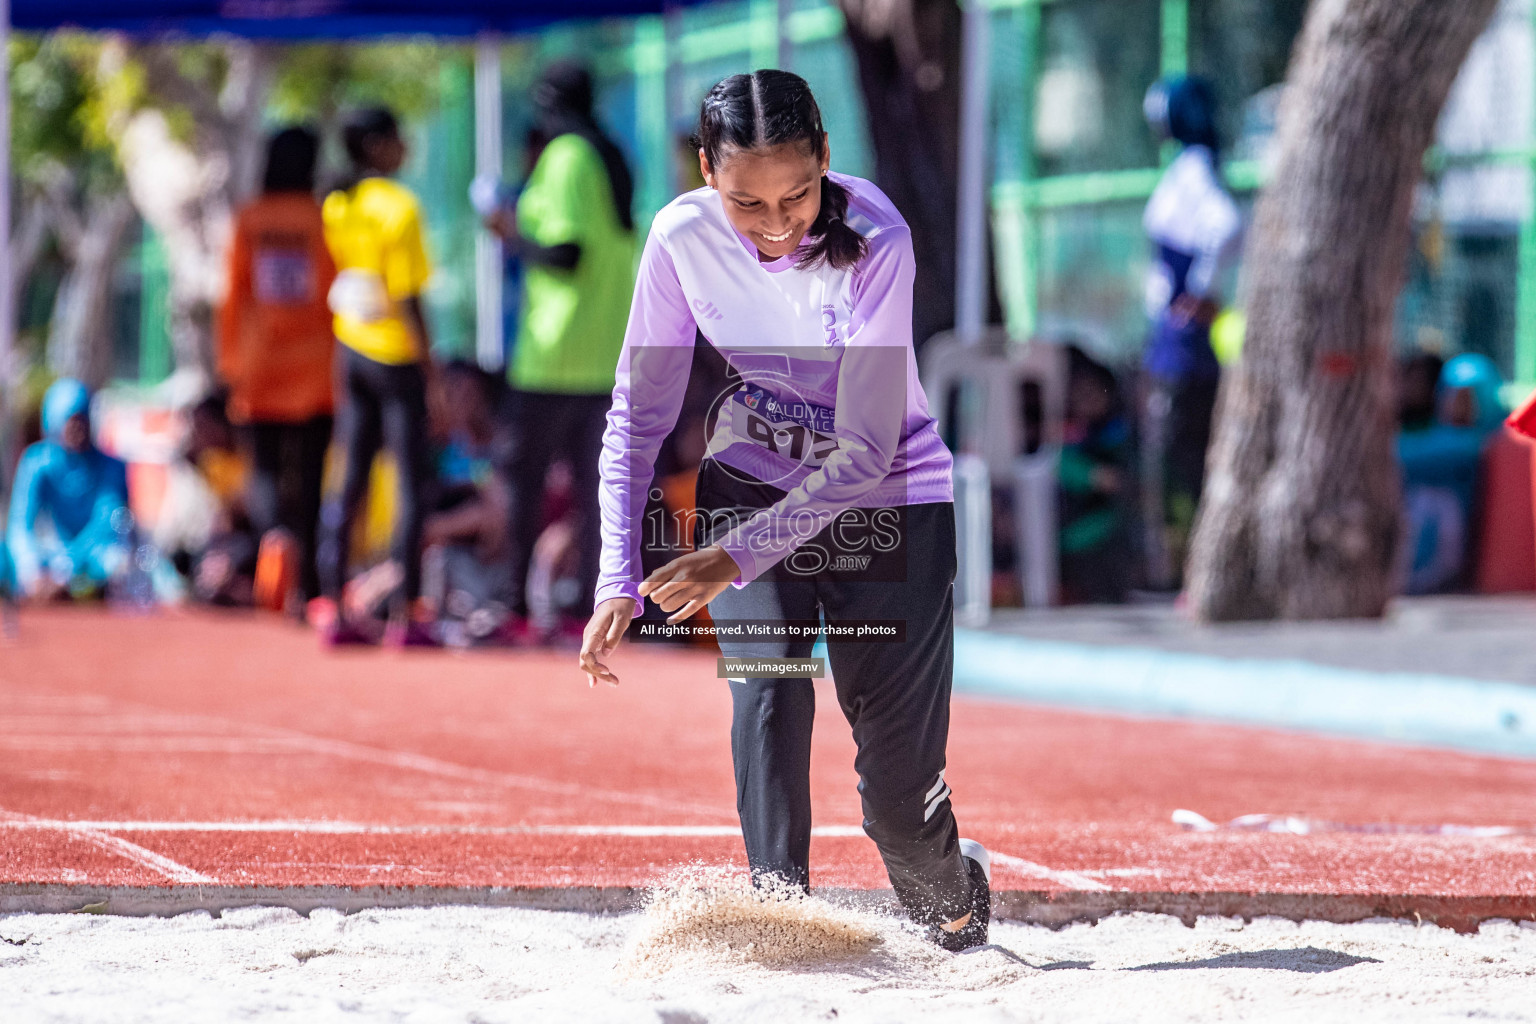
831	410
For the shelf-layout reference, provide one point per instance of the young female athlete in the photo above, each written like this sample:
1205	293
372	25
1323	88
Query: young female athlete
825	489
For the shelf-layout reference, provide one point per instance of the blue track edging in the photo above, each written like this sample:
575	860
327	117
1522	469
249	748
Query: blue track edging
1431	710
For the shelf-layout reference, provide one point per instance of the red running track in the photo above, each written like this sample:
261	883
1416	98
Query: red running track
205	749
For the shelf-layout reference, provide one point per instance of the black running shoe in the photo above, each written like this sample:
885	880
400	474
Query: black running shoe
979	863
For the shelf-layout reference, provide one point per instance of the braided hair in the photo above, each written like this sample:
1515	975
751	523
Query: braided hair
770	108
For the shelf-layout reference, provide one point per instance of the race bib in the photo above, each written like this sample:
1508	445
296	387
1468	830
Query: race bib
796	430
284	277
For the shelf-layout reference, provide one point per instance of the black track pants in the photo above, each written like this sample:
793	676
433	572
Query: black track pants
287	471
895	695
386	406
548	427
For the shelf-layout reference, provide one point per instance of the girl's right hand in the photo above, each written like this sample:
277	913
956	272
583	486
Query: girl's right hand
607	624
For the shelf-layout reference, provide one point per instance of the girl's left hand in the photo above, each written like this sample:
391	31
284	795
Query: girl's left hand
688	583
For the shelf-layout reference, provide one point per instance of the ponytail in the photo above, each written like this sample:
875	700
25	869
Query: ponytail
770	108
835	243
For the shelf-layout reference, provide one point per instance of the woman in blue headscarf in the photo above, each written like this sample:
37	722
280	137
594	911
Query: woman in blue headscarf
1194	227
67	491
1440	472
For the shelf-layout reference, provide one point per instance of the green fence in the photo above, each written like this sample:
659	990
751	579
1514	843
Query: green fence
1074	164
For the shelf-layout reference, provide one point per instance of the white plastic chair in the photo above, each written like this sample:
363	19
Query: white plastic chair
990	379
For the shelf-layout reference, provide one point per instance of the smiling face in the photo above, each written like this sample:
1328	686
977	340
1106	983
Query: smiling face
771	195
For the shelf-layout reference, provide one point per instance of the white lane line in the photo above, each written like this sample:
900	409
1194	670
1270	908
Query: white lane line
1289	824
1071	879
112	844
341	828
231	744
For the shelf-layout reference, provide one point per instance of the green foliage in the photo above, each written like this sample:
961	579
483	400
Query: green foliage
316	81
58	111
181	80
68	101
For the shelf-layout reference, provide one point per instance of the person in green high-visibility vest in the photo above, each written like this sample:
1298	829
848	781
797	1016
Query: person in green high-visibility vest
573	233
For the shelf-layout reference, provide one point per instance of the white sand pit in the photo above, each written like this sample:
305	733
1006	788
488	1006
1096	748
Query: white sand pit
757	960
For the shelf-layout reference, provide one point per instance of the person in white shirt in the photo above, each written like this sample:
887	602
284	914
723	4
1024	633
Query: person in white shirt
1194	227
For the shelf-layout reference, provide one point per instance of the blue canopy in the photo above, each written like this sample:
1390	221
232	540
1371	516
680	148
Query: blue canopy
318	19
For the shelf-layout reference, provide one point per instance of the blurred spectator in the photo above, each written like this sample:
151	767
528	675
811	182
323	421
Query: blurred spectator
374	230
7	574
1440	473
1418	379
574	233
276	350
465	535
69	529
1194	226
7	596
710	381
203	526
670	518
553	568
1092	477
497	206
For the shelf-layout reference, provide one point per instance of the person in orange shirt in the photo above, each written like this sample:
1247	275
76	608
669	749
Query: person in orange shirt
276	353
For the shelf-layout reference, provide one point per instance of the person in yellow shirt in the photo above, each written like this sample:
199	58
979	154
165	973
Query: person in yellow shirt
374	231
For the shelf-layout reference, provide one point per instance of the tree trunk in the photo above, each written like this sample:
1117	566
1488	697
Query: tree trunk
26	244
180	191
908	54
186	186
1300	517
80	331
27	240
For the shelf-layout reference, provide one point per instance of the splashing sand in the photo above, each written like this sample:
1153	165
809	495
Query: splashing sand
711	921
708	917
